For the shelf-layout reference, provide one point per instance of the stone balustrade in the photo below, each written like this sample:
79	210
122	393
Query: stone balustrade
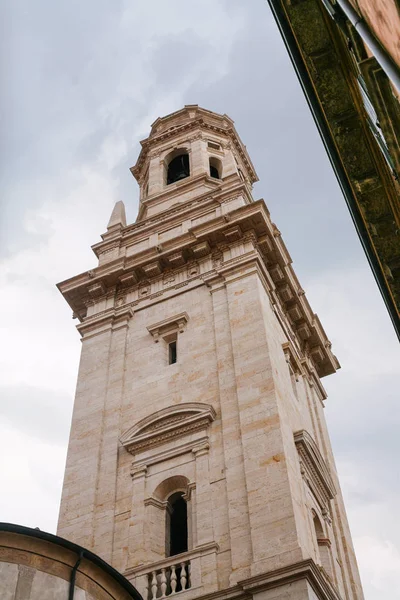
168	580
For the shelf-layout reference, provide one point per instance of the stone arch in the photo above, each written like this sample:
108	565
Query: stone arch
170	486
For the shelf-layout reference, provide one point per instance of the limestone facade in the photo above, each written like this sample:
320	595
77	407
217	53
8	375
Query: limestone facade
236	425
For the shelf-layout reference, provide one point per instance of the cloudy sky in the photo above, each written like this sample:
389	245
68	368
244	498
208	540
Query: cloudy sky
82	82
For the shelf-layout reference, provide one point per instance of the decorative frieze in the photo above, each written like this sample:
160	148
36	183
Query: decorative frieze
144	288
193	269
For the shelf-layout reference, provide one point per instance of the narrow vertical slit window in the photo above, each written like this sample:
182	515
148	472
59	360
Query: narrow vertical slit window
172	353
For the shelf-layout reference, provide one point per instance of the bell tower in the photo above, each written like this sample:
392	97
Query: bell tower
199	461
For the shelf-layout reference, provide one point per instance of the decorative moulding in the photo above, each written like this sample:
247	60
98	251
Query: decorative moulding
174	324
292	358
197	243
197	447
169	423
314	469
114	318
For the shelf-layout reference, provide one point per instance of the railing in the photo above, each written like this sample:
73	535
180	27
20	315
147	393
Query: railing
168	580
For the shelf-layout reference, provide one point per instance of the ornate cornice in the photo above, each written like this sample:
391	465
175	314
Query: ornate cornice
212	239
169	423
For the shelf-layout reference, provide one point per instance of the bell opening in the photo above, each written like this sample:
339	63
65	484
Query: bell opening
178	168
215	168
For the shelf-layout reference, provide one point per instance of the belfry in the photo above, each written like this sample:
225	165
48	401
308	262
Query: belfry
199	461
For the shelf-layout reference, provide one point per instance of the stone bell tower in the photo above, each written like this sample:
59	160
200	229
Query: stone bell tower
199	461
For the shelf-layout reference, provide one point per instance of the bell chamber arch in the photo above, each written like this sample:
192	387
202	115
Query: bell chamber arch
178	167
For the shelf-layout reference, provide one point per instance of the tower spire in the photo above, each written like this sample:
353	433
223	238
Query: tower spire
118	217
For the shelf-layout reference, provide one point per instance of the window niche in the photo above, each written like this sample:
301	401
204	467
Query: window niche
215	168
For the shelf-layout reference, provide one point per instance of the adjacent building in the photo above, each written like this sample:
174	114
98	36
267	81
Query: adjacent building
346	54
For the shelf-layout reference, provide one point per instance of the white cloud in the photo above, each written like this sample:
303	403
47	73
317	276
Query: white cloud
31	479
380	567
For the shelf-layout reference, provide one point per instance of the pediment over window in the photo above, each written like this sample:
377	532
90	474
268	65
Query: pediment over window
172	422
314	469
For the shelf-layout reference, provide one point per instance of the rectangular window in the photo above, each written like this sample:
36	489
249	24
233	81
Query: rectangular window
172	354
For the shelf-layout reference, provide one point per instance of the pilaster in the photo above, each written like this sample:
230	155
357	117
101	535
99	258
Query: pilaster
237	497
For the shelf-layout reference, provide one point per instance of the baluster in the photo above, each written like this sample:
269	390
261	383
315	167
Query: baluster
189	576
163	583
173	580
147	588
183	576
154	585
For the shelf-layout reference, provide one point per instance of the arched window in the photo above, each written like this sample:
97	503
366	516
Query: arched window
178	168
177	525
215	168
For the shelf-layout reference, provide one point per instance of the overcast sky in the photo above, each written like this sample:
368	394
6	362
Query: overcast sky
82	83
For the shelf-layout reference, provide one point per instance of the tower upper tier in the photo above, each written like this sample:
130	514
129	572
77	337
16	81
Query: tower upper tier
188	153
